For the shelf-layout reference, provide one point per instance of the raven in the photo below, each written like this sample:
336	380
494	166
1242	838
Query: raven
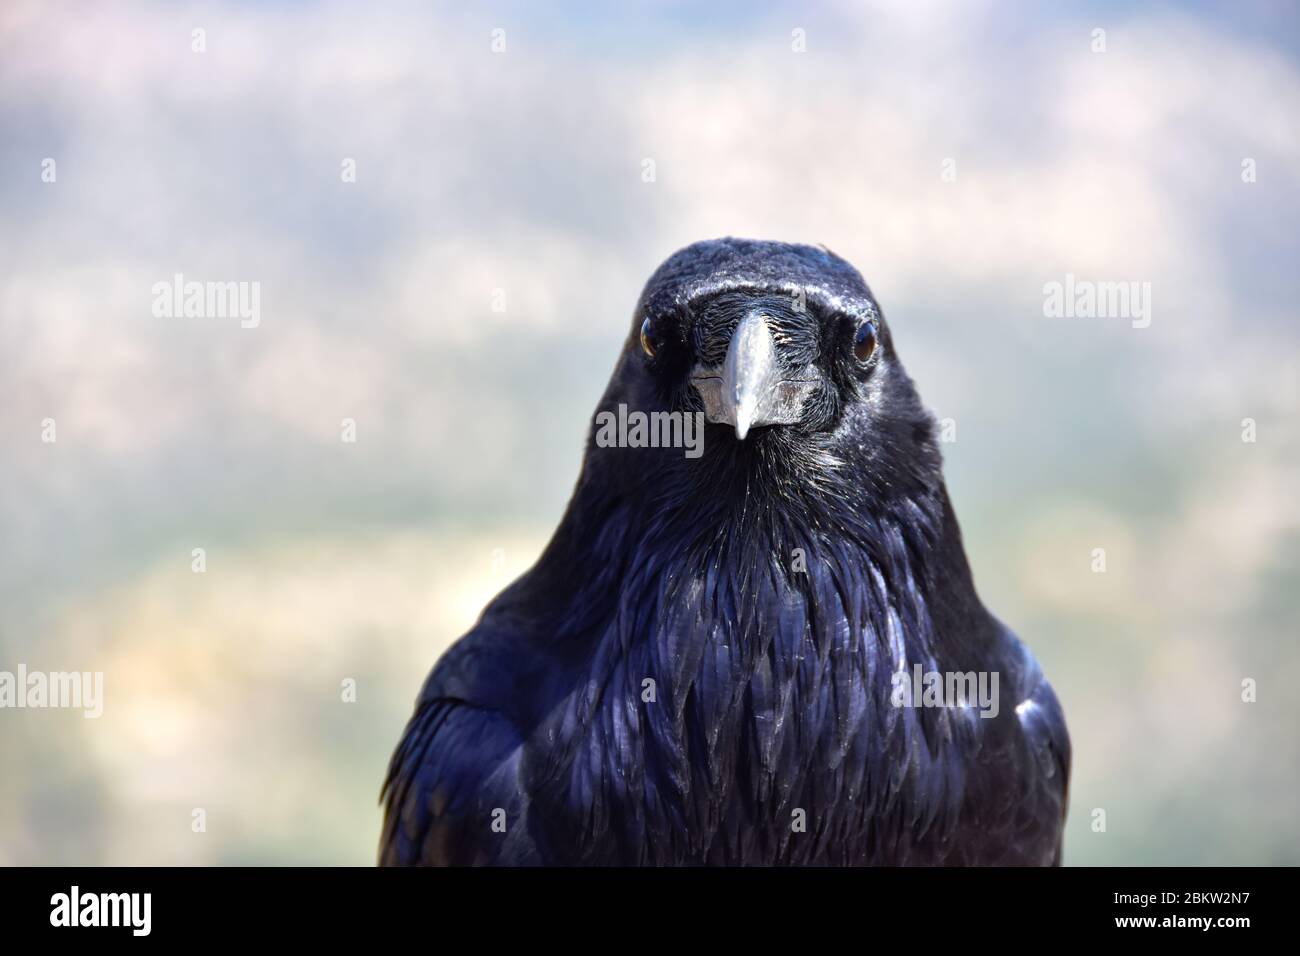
713	660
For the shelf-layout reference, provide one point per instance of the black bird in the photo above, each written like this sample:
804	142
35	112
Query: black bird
712	661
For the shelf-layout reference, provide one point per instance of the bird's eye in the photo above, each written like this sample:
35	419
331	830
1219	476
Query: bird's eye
864	341
648	338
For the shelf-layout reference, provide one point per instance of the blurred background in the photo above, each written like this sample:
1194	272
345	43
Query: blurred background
463	301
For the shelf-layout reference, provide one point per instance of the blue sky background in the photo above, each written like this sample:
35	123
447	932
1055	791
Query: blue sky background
522	171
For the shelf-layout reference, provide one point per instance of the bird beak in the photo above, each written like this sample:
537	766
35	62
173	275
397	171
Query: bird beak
748	389
747	372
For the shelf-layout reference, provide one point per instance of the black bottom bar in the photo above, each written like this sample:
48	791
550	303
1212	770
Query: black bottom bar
335	906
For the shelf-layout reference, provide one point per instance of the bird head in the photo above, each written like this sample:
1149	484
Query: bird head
785	352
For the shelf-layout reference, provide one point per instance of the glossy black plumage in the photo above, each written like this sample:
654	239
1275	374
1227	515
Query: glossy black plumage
770	589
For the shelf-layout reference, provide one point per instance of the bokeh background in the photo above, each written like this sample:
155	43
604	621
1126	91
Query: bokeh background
516	177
